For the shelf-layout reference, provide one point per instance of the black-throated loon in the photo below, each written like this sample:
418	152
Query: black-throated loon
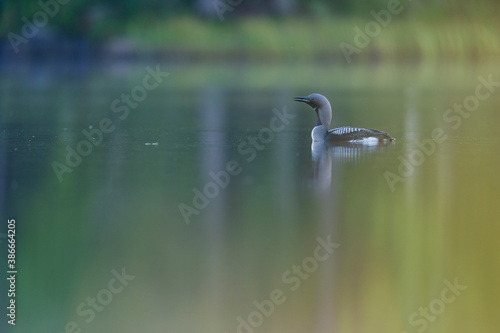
320	133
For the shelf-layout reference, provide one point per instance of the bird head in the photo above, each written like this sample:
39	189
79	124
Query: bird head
321	105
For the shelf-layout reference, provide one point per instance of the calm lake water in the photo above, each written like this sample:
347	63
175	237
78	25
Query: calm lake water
282	236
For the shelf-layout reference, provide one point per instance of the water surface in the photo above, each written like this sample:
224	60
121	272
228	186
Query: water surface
406	220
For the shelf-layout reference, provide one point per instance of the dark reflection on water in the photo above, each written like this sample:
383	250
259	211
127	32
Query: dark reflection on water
120	206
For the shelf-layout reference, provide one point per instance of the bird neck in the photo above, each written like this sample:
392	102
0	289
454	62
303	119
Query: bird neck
318	123
324	115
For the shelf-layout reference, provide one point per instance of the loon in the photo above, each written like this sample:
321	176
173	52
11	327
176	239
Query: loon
320	132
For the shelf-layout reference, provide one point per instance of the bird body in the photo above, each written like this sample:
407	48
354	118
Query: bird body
320	133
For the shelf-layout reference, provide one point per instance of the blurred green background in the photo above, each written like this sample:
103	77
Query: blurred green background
274	30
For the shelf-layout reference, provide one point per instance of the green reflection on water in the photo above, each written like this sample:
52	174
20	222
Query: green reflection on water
119	207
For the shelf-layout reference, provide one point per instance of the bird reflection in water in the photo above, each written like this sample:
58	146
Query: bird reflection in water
327	157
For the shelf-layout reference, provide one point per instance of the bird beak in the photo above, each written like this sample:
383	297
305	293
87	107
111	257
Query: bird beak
302	99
